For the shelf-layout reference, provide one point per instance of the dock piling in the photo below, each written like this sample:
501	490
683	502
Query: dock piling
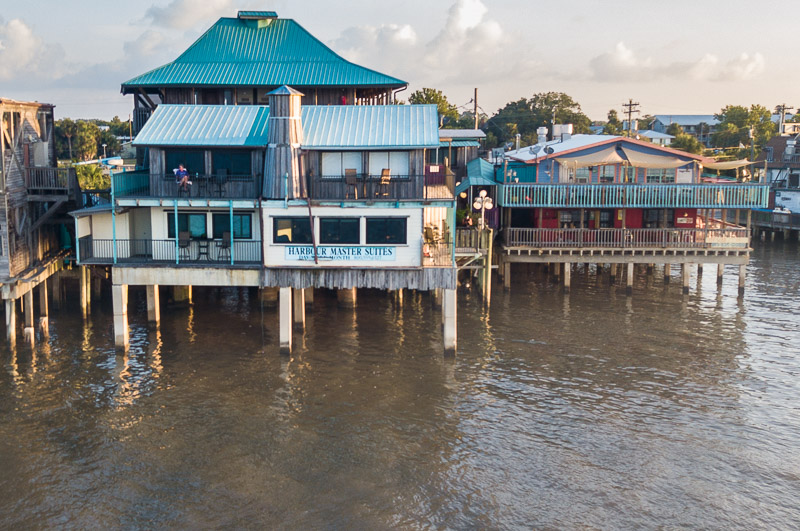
11	321
44	310
685	277
153	305
742	273
120	301
449	332
629	280
299	307
285	320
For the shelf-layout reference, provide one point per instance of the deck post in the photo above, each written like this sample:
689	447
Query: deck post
650	268
84	278
437	297
269	297
285	320
507	275
11	321
567	276
449	332
299	307
629	280
720	271
181	294
612	272
685	277
556	267
153	305
309	295
742	273
56	290
346	297
120	301
96	287
28	333
667	272
44	310
398	297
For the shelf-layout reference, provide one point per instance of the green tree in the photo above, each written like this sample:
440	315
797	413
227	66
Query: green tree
448	113
86	140
645	121
112	144
674	130
686	142
613	125
117	127
90	177
736	122
65	130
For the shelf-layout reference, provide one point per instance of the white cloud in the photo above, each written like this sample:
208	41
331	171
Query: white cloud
185	14
624	65
22	53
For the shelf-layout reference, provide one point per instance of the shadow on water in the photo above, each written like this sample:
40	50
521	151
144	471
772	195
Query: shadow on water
585	410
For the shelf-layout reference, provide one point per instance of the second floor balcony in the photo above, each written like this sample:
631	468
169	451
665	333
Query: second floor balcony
668	195
214	186
386	187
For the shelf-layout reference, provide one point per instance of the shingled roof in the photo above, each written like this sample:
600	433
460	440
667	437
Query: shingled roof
246	52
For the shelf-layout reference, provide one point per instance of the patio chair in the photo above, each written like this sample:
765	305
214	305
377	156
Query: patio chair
351	181
184	241
224	246
383	186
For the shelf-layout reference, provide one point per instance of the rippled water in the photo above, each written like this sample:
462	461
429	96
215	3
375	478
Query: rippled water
587	410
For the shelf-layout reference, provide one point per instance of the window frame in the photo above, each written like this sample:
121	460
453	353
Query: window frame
226	217
385	219
323	240
301	219
172	234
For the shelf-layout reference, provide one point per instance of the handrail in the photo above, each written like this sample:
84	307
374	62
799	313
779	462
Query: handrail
734	238
206	252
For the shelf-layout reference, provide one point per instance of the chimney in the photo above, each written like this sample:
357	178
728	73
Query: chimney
284	177
541	135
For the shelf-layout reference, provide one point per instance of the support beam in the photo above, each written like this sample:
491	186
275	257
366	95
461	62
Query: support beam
153	305
720	271
449	330
667	272
309	295
699	270
567	276
96	287
507	275
437	297
11	321
84	290
612	272
44	310
742	274
398	297
299	307
57	291
269	297
685	277
28	332
182	294
347	297
629	280
285	320
119	294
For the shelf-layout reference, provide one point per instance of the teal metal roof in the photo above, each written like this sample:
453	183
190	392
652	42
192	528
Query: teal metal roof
325	127
205	125
479	173
370	126
235	52
459	143
258	14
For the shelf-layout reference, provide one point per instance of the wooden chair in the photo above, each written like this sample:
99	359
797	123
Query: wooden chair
383	187
184	241
224	246
351	181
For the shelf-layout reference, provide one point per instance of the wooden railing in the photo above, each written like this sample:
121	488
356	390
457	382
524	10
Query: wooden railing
51	180
145	184
370	188
468	239
437	254
205	252
635	195
734	238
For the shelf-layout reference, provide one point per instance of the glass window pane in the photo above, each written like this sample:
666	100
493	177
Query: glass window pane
339	230
291	230
332	164
398	162
192	159
377	161
352	159
386	231
197	225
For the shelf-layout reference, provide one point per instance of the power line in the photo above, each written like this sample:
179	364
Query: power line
631	107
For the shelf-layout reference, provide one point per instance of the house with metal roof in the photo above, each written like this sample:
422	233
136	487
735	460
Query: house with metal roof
287	197
458	147
238	61
700	126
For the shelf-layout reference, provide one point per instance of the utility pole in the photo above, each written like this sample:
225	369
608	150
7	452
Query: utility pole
630	108
782	109
475	107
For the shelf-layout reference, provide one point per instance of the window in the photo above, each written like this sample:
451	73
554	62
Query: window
231	161
242	225
194	223
660	175
386	230
339	230
605	174
193	159
291	230
227	97
334	164
583	175
396	161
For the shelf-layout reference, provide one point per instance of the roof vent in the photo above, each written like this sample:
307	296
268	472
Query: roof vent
258	18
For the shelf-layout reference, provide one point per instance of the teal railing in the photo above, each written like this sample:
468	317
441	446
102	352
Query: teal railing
635	195
131	183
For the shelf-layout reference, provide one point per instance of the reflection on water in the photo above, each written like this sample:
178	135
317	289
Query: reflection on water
587	410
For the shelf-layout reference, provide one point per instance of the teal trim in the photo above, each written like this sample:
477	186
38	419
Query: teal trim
131	182
177	249
113	219
635	195
230	226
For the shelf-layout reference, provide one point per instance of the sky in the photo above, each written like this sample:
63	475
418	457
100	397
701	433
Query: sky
672	57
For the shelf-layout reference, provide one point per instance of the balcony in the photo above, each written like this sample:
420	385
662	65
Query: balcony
48	182
372	188
636	239
635	195
217	186
193	252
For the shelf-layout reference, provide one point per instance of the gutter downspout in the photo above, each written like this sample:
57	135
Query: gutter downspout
230	224
177	252
113	220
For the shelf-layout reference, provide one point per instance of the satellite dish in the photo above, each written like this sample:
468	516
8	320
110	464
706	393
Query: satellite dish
535	149
549	150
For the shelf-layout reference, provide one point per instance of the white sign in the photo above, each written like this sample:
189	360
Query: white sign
339	253
788	199
683	175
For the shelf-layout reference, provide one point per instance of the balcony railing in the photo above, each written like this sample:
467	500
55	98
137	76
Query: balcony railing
437	254
51	180
195	252
635	195
729	238
145	184
372	188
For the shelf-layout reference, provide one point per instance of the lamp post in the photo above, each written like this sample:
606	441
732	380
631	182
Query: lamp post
104	150
483	203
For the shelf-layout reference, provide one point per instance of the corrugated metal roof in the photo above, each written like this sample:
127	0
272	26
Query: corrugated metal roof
331	127
655	135
479	173
459	143
205	125
461	133
370	126
575	142
257	14
233	52
686	119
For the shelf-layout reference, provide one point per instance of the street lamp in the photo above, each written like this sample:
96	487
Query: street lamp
483	203
104	151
